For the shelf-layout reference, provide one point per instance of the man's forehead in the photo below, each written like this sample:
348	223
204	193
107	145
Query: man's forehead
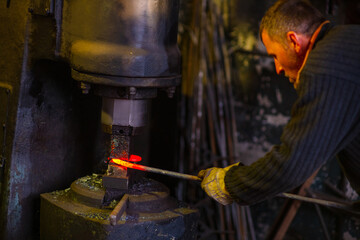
265	36
267	41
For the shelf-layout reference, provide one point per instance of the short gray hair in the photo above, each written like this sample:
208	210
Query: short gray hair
290	15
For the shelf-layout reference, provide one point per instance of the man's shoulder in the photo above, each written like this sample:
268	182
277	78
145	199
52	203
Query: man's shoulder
343	31
343	36
337	53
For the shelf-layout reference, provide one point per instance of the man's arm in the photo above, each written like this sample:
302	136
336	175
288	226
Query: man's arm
323	120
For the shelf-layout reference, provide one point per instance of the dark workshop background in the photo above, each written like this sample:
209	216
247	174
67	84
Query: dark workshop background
231	94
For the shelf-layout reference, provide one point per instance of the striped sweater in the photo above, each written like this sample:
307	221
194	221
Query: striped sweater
325	121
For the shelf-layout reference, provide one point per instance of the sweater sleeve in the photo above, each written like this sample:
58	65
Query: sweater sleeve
323	120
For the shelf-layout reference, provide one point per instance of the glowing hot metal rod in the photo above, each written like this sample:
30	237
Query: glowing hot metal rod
154	170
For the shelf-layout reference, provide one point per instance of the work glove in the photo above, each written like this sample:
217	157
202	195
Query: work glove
214	185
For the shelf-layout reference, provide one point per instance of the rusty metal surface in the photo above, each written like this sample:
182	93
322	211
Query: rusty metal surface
145	194
150	214
120	146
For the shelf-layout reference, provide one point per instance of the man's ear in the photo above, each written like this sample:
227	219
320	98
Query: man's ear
294	41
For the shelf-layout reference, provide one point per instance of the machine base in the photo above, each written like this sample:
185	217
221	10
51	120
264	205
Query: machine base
149	215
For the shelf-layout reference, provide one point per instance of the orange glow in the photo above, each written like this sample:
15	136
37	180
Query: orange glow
124	163
133	158
128	164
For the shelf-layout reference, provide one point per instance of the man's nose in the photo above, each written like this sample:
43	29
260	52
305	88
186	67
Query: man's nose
278	67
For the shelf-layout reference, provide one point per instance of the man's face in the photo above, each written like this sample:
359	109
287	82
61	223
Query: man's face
286	60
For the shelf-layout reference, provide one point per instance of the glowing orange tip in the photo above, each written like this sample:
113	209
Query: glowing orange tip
128	164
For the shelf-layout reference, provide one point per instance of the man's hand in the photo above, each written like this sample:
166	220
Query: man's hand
213	184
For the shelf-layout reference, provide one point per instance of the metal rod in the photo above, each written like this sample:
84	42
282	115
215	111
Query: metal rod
155	170
322	222
250	223
318	201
